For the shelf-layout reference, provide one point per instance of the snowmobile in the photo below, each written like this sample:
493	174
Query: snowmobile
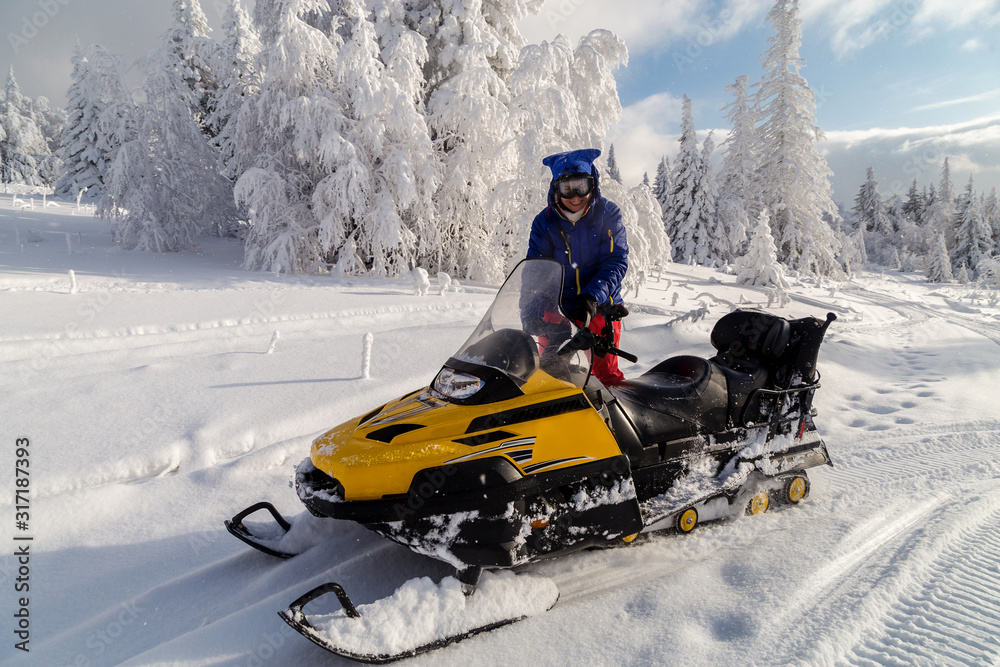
516	453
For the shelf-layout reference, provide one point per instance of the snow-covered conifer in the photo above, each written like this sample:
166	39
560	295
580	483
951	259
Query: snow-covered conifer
597	56
683	218
613	171
238	80
939	263
22	144
661	184
760	266
940	214
915	203
870	209
973	237
188	48
793	178
82	161
991	214
713	243
739	162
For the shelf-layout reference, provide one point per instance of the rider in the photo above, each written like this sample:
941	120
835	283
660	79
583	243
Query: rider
584	232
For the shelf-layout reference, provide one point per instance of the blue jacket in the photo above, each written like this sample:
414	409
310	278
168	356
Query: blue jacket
593	250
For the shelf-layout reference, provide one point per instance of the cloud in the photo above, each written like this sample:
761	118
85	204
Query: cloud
645	25
962	100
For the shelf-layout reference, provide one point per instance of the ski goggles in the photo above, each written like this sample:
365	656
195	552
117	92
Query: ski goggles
576	186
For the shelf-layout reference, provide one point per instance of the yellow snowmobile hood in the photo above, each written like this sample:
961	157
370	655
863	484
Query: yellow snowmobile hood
551	426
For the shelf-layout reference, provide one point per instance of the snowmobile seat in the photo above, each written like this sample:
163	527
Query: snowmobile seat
677	398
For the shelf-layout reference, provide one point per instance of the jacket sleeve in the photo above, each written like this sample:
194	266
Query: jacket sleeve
539	242
614	256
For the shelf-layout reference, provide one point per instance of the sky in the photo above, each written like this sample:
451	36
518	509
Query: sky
900	84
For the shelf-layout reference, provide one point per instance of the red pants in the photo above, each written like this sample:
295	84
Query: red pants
606	367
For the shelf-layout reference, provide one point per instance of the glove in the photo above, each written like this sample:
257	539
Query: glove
586	308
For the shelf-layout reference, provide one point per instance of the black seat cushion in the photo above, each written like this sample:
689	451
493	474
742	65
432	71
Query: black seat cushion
742	333
679	397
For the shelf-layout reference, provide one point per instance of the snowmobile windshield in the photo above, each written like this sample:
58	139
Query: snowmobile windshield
520	334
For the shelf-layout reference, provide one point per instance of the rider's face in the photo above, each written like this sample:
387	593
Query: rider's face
575	204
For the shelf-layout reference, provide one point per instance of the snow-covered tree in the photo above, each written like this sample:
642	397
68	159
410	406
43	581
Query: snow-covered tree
467	115
163	188
684	215
793	178
991	214
915	203
22	144
869	208
100	119
940	214
613	171
714	247
661	185
760	266
973	238
238	79
83	163
188	48
739	161
939	263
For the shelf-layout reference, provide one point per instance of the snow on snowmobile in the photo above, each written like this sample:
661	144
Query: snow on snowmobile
516	453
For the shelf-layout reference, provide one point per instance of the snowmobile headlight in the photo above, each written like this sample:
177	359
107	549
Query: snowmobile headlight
453	384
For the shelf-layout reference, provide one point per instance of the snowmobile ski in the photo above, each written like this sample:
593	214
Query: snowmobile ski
266	544
355	636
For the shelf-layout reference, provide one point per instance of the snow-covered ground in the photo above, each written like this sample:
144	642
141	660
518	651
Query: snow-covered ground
154	411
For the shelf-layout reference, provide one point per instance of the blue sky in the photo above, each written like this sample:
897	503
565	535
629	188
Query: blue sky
901	83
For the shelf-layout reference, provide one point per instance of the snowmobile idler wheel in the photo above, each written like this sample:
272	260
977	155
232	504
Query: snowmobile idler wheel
796	489
687	520
629	539
759	502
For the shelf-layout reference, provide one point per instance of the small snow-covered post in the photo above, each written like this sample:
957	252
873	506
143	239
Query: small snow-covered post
420	282
72	282
444	281
78	196
274	342
366	356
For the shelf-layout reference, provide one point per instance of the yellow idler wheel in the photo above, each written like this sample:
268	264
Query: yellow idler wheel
687	520
759	503
629	539
796	489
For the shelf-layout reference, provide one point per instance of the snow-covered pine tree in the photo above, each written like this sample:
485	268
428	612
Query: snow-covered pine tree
82	161
238	80
869	208
793	178
940	214
914	204
22	144
661	185
613	171
683	219
50	122
739	161
973	237
713	244
939	263
991	214
194	54
163	188
597	56
760	266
